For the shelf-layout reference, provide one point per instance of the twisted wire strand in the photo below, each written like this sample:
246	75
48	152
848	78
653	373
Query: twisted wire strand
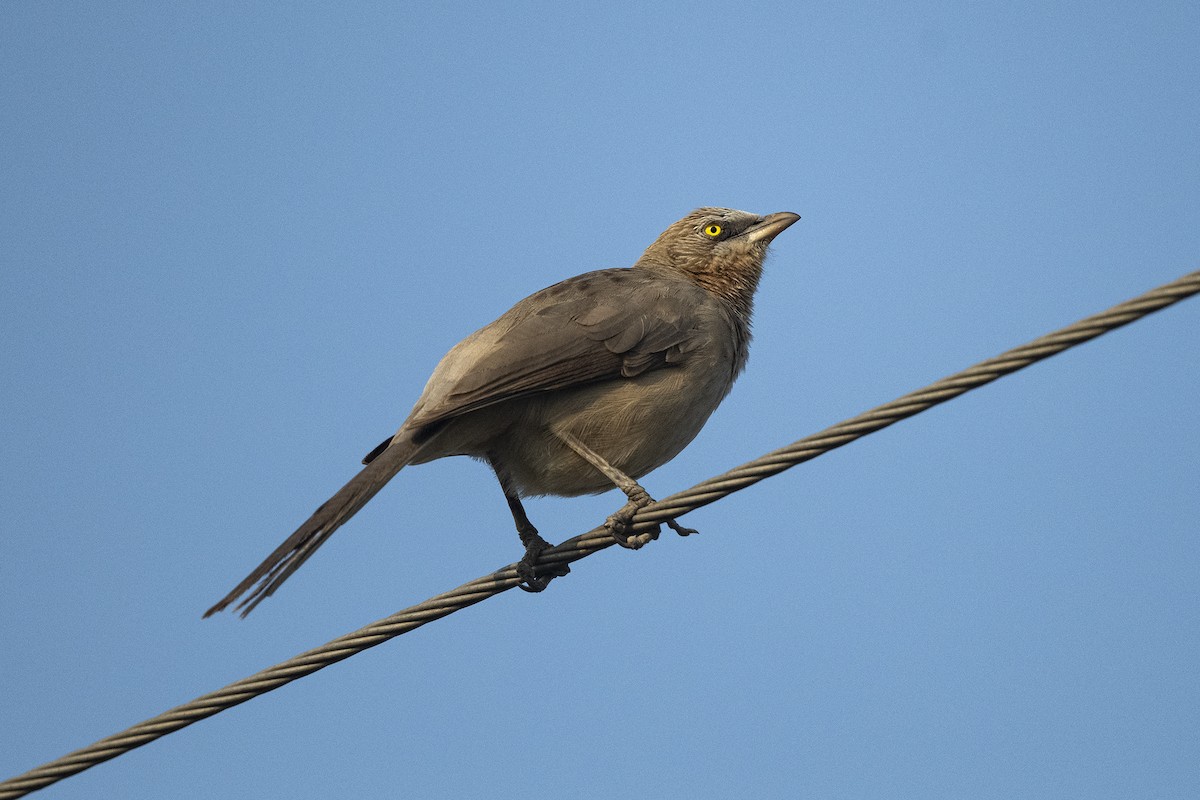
581	546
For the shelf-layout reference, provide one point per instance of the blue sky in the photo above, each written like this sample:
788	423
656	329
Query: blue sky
234	242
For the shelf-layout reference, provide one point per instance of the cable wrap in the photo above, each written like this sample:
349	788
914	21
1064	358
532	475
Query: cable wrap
581	546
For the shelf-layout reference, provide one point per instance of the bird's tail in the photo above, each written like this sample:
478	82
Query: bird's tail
288	557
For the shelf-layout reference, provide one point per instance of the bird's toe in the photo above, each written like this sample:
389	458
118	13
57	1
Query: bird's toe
535	577
681	529
620	525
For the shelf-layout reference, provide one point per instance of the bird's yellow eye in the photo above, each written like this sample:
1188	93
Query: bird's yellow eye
712	231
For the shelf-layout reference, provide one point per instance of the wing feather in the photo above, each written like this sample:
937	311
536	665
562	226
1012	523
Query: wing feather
604	325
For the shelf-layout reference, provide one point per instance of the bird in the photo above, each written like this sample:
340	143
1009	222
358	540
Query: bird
581	387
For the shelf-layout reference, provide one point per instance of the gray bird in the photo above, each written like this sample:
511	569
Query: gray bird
583	386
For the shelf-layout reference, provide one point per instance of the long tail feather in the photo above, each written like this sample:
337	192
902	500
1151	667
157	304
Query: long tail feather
296	549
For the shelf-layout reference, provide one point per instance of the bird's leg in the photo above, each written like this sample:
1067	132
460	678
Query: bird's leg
618	524
535	545
535	578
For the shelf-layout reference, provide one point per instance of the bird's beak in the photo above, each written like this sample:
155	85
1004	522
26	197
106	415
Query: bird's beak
770	227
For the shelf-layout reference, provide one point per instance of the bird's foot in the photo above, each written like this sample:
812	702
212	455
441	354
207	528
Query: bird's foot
620	524
536	578
680	529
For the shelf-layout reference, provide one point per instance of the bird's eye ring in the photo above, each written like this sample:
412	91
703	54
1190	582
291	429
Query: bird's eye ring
712	231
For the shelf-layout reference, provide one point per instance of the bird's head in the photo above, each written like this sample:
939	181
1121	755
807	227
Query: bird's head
720	249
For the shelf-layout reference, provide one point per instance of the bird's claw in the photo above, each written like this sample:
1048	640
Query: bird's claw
680	529
627	540
528	569
620	523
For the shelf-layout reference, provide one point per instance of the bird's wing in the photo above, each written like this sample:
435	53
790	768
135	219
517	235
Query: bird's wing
603	325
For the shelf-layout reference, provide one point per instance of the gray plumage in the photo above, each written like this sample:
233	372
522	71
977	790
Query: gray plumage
583	386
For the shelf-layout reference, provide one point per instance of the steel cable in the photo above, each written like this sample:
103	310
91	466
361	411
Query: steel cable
647	519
